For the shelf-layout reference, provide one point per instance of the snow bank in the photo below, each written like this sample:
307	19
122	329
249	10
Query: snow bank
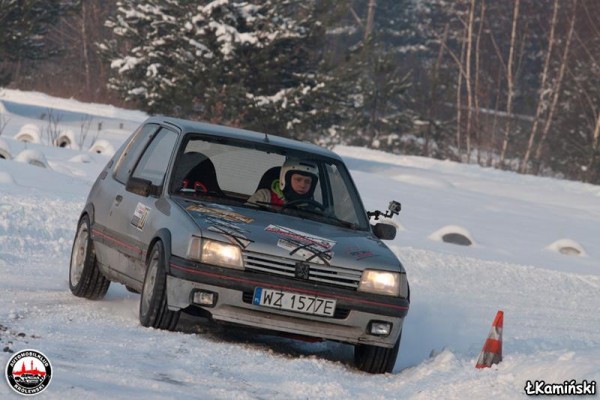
67	139
102	147
33	157
29	133
5	150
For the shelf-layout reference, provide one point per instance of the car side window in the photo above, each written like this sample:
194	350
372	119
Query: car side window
132	151
344	204
154	162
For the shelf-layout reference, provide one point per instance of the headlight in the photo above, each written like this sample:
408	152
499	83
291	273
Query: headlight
216	253
383	282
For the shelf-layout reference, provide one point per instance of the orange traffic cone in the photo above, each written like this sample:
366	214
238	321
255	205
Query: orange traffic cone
492	349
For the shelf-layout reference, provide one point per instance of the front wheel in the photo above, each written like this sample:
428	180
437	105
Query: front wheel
153	301
375	359
85	279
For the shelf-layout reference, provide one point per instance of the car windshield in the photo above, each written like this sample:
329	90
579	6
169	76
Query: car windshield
231	171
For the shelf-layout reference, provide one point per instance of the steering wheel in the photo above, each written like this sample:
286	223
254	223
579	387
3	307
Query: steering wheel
196	187
310	202
200	187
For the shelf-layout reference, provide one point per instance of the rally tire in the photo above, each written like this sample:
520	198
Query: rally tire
375	359
85	279
153	300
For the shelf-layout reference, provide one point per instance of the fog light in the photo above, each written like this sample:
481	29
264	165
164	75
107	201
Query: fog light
204	298
380	328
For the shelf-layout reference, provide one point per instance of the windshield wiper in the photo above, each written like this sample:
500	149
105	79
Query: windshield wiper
341	222
323	216
263	205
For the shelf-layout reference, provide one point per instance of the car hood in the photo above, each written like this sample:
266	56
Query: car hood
284	235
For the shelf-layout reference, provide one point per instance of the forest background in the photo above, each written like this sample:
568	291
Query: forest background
507	84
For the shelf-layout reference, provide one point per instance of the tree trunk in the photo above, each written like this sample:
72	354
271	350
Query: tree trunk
556	91
595	150
84	43
370	19
461	72
540	105
510	81
477	72
468	78
435	78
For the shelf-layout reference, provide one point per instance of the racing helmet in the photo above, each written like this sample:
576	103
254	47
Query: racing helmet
297	166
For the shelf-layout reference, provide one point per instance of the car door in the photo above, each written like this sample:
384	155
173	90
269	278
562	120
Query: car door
133	214
108	192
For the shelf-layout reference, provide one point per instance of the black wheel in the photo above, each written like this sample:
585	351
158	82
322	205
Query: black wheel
375	359
153	301
85	279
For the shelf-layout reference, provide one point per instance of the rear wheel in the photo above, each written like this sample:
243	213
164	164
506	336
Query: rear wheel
153	301
375	359
85	279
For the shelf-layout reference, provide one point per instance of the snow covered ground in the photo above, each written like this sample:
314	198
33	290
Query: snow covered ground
518	225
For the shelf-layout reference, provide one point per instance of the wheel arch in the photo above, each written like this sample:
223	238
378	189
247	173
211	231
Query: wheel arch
89	211
163	235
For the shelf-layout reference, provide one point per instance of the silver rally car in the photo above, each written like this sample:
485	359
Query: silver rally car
169	217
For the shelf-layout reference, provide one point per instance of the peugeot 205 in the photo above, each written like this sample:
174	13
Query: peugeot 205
206	218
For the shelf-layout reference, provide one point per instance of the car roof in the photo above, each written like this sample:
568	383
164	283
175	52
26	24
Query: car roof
186	126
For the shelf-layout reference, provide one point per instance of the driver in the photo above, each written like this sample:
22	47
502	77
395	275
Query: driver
297	181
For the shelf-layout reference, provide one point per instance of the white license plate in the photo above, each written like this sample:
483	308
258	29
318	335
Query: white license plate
294	302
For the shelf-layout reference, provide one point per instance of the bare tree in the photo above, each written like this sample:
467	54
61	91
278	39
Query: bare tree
459	106
84	129
556	90
477	76
53	130
510	81
468	78
595	150
543	91
433	98
370	19
84	46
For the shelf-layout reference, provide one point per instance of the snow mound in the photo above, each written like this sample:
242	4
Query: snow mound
102	147
29	133
81	158
33	157
67	140
453	234
2	108
6	178
4	149
567	247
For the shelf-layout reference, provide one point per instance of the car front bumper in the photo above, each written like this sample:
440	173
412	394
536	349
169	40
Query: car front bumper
234	289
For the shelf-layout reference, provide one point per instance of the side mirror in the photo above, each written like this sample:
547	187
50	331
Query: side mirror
384	231
140	186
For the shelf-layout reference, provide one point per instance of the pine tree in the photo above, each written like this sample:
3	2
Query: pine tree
242	64
369	76
23	26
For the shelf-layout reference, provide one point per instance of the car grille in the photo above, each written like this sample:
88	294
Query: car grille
330	275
